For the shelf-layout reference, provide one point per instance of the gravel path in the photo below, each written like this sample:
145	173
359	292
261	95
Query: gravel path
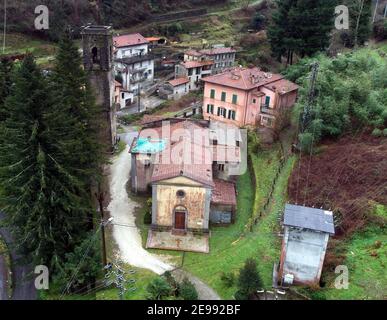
121	208
127	236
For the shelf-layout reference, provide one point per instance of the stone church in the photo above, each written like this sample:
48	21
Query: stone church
97	44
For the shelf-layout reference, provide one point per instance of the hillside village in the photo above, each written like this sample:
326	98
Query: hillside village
205	158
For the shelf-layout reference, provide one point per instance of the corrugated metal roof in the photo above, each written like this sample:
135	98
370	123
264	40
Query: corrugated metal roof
309	218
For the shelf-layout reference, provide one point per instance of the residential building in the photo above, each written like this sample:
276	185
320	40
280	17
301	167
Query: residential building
97	44
174	89
306	234
223	57
174	159
133	62
247	96
195	71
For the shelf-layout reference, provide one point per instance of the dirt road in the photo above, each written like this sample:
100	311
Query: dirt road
121	208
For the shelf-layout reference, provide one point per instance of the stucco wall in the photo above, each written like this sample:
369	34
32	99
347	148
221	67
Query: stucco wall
195	201
303	254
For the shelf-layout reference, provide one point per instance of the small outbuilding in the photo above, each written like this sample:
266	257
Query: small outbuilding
306	234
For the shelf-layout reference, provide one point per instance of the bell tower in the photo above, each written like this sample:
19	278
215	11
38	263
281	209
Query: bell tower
97	42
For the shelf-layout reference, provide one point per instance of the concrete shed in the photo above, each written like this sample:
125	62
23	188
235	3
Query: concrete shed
306	235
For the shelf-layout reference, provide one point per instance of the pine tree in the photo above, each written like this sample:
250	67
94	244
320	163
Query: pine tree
71	87
301	26
5	85
43	198
249	280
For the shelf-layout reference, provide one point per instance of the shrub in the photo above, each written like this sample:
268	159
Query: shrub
377	132
228	279
188	290
253	141
147	217
158	289
249	280
385	132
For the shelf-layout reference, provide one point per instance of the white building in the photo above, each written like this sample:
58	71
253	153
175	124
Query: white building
194	71
133	62
174	89
306	234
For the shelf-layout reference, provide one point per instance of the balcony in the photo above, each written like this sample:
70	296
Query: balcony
266	110
135	59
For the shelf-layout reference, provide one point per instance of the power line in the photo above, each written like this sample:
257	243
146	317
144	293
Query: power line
80	263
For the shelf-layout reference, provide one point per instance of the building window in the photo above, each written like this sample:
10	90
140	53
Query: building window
267	101
223	98
221	167
210	108
254	101
234	99
215	142
221	112
231	114
237	143
212	94
180	193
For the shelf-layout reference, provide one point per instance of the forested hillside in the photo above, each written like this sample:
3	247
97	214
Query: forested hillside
121	13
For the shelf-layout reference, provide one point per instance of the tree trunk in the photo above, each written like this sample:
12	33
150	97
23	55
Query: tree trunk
361	6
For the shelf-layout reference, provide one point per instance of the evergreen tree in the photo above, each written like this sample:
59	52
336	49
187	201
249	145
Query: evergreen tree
5	85
45	201
301	26
249	280
73	92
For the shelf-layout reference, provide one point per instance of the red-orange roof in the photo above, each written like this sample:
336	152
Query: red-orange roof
243	78
178	81
282	86
150	39
196	64
223	192
129	40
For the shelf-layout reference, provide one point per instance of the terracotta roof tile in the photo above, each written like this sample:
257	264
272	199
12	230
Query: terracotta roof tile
243	78
196	64
129	40
178	81
282	86
223	192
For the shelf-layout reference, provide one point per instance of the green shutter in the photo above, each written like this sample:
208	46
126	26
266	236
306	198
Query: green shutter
234	99
212	95
223	96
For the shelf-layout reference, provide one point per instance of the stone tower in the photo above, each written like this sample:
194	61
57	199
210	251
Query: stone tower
97	44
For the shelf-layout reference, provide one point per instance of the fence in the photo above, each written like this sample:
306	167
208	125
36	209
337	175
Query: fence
255	216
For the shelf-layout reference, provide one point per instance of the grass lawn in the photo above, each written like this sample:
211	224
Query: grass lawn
366	259
42	50
228	251
142	278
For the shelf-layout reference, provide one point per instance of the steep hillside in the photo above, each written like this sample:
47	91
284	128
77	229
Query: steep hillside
120	13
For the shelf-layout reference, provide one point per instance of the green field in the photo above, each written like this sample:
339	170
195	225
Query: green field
366	259
228	249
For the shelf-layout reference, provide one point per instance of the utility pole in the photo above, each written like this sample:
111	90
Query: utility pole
310	99
101	198
139	97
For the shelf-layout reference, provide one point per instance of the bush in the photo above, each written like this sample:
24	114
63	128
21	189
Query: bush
253	141
147	217
385	132
377	132
228	279
187	290
249	280
158	289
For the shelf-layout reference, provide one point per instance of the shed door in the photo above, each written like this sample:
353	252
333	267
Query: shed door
180	220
